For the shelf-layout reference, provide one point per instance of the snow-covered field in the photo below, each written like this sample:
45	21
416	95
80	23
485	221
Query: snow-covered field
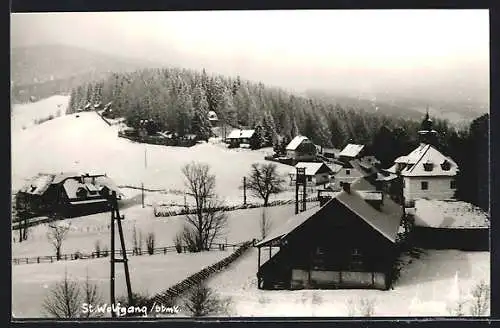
427	287
148	275
242	225
88	144
24	115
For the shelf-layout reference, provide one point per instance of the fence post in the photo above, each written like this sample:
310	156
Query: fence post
164	250
51	259
65	257
38	259
27	260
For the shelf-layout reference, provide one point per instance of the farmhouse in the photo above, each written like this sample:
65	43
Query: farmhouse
349	242
301	149
69	194
316	173
351	151
426	172
240	138
353	170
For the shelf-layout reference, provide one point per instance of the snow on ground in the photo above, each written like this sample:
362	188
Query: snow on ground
23	115
148	274
449	214
426	288
88	144
242	225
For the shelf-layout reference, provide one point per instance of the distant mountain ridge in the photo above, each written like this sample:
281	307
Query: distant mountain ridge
45	70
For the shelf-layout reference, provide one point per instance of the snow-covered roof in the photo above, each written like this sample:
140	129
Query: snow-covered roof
351	150
311	168
386	220
295	142
334	167
449	214
427	154
237	133
212	115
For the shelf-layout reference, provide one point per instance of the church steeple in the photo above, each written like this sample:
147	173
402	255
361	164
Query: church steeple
427	134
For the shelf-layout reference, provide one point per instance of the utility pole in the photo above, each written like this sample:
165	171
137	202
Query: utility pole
142	194
244	190
115	216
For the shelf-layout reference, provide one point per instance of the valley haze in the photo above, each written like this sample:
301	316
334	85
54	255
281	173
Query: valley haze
413	58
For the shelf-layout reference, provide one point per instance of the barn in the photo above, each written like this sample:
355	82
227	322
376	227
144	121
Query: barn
351	151
301	149
240	138
316	173
349	242
69	194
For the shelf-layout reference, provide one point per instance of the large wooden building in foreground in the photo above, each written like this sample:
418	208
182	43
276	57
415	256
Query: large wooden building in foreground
349	242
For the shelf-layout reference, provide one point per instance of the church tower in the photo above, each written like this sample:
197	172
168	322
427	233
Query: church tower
427	134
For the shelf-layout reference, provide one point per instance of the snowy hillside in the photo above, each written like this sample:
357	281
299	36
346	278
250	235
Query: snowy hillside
24	115
87	144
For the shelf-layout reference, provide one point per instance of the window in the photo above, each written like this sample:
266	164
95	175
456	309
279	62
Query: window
453	184
309	178
347	172
428	167
445	166
424	185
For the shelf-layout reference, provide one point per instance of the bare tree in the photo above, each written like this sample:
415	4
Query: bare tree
64	299
209	220
137	241
92	296
265	224
150	243
202	301
480	301
264	181
56	235
367	307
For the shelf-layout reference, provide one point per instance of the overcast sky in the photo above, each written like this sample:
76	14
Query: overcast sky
295	49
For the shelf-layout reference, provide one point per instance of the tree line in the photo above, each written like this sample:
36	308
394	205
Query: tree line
178	100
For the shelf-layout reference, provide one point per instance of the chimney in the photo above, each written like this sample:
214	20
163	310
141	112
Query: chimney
346	186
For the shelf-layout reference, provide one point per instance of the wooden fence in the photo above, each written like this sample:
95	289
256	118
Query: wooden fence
167	297
183	211
106	253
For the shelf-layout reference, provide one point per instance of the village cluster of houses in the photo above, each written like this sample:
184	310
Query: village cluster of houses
350	239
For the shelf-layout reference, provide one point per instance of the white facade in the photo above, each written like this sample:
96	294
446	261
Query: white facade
432	187
347	175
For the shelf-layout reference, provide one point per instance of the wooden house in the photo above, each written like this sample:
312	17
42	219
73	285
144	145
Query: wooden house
68	194
240	138
316	173
349	242
351	151
301	149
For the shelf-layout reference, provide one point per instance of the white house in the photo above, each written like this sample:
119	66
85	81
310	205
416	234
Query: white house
426	173
349	172
301	149
316	173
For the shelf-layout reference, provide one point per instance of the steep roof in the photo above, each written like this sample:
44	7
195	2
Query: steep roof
296	142
237	133
351	150
386	221
311	168
427	154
